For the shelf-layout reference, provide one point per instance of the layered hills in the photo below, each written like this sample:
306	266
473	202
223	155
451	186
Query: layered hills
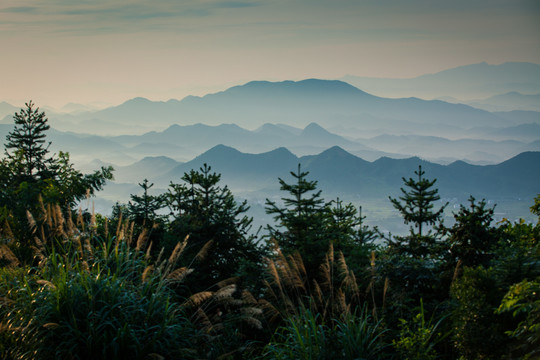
511	184
330	103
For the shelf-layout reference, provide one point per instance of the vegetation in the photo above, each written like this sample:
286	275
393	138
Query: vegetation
179	276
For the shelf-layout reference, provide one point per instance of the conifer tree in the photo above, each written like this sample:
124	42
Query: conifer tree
31	178
142	208
302	222
205	211
26	143
416	205
346	226
472	238
417	202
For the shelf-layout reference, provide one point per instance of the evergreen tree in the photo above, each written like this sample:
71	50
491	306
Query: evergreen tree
31	178
418	201
142	208
205	211
416	205
342	224
26	143
346	226
302	222
472	238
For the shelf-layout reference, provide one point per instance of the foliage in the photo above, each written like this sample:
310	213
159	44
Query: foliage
523	301
91	298
205	211
302	337
472	239
410	280
306	224
478	331
360	336
27	142
417	203
308	336
142	209
416	207
417	338
29	176
333	293
301	221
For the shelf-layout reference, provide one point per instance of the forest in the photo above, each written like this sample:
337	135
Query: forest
181	275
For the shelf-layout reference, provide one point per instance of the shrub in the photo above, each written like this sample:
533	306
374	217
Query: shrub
67	310
307	336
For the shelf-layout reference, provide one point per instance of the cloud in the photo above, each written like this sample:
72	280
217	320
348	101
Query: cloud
235	4
20	9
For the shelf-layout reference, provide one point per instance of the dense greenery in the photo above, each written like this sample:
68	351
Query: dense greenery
180	276
30	177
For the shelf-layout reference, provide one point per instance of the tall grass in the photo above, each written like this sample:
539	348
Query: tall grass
307	336
323	318
104	297
333	294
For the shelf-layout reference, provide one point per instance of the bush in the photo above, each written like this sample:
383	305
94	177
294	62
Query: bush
307	336
69	309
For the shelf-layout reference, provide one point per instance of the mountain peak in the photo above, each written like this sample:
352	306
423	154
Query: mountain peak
314	129
309	87
137	100
222	149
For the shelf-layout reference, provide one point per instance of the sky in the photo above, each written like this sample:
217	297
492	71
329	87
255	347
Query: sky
104	52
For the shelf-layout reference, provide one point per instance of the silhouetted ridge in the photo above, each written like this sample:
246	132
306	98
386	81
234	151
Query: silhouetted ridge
304	88
157	159
314	129
137	101
221	150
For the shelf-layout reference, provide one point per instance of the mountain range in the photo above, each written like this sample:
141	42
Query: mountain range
511	184
256	132
339	171
469	82
297	104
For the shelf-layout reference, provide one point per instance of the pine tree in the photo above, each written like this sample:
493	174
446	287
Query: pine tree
418	202
417	207
302	222
472	238
26	143
208	212
142	208
346	227
30	178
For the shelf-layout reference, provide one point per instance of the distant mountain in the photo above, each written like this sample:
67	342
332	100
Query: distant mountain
511	184
520	117
343	174
508	102
249	171
190	140
432	147
147	168
464	82
524	132
77	108
296	104
7	110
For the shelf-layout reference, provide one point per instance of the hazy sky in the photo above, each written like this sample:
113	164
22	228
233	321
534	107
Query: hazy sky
60	51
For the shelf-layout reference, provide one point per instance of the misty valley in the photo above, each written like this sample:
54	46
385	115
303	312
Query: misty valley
255	133
308	219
